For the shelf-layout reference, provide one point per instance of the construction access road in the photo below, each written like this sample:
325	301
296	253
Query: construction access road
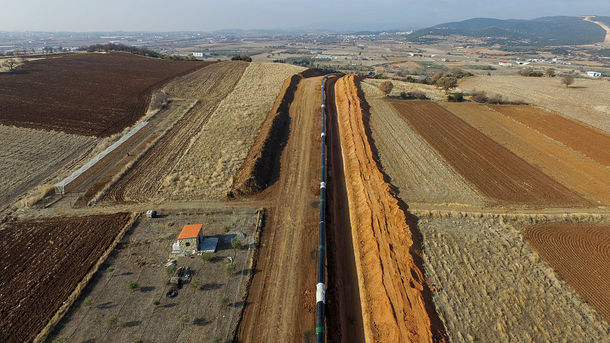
281	300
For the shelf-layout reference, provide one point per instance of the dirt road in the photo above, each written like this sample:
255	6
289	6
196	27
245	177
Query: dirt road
281	302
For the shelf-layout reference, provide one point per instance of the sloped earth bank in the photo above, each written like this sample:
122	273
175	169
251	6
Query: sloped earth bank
391	284
281	299
489	285
494	170
580	253
42	263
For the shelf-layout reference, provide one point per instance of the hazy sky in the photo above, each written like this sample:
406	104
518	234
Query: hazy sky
205	15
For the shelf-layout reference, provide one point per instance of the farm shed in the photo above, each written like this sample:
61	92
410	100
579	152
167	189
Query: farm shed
190	237
594	74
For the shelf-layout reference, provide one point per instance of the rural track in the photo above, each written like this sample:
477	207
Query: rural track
281	300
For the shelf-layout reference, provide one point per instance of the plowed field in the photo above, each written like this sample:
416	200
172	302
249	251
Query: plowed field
42	262
420	173
494	170
565	165
592	143
581	255
209	86
86	94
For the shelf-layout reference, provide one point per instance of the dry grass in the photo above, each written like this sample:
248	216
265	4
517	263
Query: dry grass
215	154
431	92
490	286
28	157
586	100
419	172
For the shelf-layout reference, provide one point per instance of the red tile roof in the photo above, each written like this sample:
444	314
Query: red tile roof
190	231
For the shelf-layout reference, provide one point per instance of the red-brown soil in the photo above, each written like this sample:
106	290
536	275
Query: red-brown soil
587	140
144	179
580	253
391	284
42	262
281	300
86	94
494	170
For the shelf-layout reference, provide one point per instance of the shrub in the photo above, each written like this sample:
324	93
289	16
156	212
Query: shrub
206	256
113	320
479	96
231	267
447	82
457	97
196	283
386	87
87	302
241	57
156	302
171	270
496	99
133	286
413	95
236	243
225	300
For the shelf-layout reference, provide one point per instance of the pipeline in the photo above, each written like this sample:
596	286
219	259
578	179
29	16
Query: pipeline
321	284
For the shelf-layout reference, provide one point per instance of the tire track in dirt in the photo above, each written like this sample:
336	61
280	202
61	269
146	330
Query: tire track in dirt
590	142
580	253
281	299
391	284
143	180
493	169
565	165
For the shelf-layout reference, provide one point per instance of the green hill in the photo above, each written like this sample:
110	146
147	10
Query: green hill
546	31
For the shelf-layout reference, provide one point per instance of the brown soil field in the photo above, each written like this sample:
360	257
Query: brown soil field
392	285
590	142
491	286
580	253
86	94
30	157
585	101
217	151
281	300
567	166
209	85
42	263
494	170
420	173
140	257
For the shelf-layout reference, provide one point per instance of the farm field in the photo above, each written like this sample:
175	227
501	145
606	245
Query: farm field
208	86
491	286
86	94
420	173
590	142
29	158
580	254
585	101
568	166
140	257
216	152
43	261
494	170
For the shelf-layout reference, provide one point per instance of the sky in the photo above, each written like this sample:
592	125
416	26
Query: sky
206	15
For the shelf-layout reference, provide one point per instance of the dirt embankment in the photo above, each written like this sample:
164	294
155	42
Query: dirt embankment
258	169
391	284
261	167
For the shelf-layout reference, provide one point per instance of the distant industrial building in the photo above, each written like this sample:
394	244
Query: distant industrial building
594	74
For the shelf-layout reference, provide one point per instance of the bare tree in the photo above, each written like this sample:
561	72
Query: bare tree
549	72
386	87
567	80
10	64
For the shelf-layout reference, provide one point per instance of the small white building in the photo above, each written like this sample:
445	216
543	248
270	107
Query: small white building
594	74
504	64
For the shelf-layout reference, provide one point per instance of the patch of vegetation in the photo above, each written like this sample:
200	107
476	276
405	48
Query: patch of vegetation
171	270
241	57
413	95
133	286
112	320
134	50
479	67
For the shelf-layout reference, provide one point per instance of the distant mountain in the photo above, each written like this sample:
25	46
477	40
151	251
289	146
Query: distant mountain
546	31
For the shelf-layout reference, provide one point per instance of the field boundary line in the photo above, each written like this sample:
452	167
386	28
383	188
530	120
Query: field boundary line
42	335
